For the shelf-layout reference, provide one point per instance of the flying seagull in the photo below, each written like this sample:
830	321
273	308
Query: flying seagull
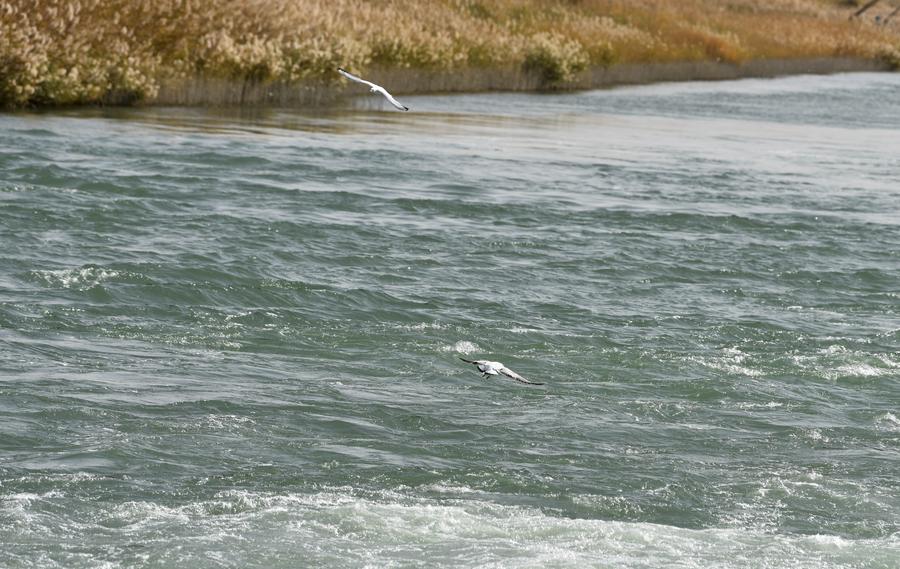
493	368
373	88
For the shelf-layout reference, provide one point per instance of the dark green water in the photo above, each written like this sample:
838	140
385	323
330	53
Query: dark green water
232	340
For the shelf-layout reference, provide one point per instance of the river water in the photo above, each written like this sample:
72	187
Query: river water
232	339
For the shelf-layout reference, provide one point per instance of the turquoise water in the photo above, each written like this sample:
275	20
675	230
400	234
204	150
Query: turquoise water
231	339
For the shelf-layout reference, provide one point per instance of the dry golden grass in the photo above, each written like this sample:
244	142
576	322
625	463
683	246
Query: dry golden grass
89	51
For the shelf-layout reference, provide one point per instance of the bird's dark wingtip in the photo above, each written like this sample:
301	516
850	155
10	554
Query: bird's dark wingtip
467	361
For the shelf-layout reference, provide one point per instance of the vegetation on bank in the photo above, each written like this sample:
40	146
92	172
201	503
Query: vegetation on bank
55	52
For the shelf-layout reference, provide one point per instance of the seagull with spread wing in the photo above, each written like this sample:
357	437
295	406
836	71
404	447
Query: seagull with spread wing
373	88
493	368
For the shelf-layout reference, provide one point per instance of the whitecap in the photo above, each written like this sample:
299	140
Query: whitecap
857	370
226	422
399	527
421	326
888	422
462	347
732	361
82	278
815	435
767	405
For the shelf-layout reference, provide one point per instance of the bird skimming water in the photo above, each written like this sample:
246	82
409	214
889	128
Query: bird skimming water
373	88
493	368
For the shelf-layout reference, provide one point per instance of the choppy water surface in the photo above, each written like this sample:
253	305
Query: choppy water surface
232	340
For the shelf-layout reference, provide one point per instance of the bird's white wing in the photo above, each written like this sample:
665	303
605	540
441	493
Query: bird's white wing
513	375
353	77
391	99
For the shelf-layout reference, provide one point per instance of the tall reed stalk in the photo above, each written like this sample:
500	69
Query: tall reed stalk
58	52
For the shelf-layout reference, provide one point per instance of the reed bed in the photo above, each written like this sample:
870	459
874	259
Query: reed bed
61	52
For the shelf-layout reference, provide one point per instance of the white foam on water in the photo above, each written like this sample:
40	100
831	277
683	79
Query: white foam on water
451	489
732	361
226	423
888	361
341	527
837	362
462	347
746	406
23	500
421	326
82	278
888	422
834	349
856	370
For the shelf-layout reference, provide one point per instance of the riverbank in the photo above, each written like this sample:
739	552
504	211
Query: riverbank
409	81
67	52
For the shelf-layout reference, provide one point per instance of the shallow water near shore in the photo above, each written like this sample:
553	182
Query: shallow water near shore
232	338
